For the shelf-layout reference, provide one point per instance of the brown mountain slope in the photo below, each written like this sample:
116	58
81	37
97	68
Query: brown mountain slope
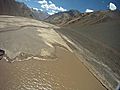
62	18
95	18
96	36
11	7
73	16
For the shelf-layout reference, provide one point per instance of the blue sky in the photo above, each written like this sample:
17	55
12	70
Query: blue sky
54	6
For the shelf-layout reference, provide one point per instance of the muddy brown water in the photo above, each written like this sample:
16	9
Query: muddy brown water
64	73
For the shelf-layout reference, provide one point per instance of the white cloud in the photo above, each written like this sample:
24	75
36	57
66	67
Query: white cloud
89	10
52	12
42	2
45	6
61	9
41	10
50	7
112	6
50	2
35	9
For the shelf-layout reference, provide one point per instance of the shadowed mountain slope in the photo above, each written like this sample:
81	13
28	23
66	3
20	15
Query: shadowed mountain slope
96	36
62	18
74	16
95	18
11	7
39	15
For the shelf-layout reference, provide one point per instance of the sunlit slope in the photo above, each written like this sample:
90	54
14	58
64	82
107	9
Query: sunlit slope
40	58
26	37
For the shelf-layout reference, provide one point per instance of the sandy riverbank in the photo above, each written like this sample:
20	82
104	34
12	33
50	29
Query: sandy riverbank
37	63
65	73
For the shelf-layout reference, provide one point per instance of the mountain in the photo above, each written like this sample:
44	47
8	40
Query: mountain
96	36
74	16
96	17
12	7
61	18
39	15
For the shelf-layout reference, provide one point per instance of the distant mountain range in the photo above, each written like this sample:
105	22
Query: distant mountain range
39	15
74	16
11	7
62	18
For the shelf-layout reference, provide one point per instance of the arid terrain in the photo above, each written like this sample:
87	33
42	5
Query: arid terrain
14	8
97	39
64	50
99	44
38	58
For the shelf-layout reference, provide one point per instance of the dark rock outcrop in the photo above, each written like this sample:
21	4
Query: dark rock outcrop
2	52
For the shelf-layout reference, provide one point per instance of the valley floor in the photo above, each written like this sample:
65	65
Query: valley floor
99	45
38	58
65	73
